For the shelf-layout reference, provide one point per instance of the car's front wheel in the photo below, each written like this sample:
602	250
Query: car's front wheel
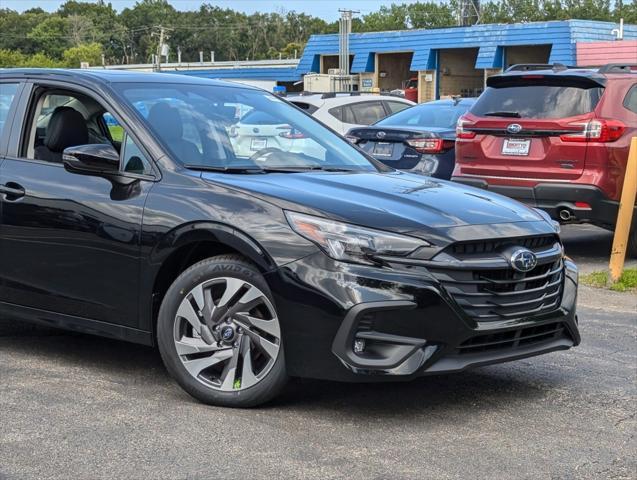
219	334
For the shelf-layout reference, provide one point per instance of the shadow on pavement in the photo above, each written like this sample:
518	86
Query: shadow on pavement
135	365
587	242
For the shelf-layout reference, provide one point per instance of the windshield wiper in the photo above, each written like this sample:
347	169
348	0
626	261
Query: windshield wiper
211	168
503	114
248	169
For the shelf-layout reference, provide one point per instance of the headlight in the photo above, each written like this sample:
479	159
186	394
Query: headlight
351	243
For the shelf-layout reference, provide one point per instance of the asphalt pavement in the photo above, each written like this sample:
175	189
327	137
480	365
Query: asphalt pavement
81	407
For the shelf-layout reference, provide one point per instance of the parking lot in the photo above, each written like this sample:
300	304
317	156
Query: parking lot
75	406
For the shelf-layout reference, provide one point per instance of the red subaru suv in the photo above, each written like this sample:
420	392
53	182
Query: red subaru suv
553	137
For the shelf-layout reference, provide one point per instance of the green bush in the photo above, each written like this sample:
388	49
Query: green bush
88	52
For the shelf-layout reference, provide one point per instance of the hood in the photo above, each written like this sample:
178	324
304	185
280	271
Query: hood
396	201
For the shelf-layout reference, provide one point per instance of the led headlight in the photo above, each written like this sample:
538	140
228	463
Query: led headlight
352	243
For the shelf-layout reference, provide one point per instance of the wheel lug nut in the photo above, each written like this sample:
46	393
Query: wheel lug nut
229	321
216	328
236	344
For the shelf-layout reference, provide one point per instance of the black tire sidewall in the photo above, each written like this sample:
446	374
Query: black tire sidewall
222	266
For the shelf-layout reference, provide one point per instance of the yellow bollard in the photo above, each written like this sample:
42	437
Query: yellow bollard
625	215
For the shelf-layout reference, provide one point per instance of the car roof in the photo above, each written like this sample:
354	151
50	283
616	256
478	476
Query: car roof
319	99
468	101
596	74
113	76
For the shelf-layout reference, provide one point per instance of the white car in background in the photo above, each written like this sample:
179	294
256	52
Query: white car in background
258	133
344	111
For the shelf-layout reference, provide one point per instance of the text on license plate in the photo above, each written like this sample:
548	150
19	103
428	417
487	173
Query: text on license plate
258	144
383	149
516	146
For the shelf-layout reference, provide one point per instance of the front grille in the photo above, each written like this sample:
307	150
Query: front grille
513	339
490	246
482	282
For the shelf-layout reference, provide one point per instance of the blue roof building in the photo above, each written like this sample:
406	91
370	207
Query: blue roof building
445	61
455	60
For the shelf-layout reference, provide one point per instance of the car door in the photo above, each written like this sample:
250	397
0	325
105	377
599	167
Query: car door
70	243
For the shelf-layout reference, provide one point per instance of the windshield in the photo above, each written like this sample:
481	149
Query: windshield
232	128
432	116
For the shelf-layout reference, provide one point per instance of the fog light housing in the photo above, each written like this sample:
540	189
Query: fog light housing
359	345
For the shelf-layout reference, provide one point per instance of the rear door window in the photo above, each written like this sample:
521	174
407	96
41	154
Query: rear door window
395	107
630	102
343	114
536	100
7	96
366	113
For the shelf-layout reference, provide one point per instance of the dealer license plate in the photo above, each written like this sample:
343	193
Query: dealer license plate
516	146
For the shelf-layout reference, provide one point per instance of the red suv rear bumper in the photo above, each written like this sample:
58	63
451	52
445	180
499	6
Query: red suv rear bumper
560	198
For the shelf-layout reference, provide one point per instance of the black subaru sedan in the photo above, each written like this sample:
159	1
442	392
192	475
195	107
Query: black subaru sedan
132	206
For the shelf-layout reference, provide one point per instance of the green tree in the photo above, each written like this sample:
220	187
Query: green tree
90	53
11	58
14	29
51	36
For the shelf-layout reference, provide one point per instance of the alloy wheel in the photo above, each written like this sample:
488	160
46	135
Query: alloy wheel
227	334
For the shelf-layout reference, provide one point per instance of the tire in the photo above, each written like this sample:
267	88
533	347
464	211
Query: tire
219	335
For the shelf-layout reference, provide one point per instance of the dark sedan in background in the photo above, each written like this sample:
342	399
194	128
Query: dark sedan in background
420	139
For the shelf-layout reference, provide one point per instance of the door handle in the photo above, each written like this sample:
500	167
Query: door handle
12	191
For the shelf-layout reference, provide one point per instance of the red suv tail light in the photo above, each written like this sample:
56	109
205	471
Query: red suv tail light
461	131
602	130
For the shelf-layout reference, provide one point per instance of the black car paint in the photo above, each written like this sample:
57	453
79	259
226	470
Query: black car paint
86	253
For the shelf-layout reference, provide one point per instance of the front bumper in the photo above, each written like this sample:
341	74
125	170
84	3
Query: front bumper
409	322
557	197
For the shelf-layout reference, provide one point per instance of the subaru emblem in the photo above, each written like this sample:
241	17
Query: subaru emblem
227	333
514	128
523	260
381	135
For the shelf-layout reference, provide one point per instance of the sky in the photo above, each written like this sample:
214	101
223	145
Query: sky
326	9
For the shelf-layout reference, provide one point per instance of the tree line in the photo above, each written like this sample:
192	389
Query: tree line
95	32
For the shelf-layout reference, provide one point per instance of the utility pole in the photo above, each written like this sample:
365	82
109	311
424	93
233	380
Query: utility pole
344	29
162	38
468	13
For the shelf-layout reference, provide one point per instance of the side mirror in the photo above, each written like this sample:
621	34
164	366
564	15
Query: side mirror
92	159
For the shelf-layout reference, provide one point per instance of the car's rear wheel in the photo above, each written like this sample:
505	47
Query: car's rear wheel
219	334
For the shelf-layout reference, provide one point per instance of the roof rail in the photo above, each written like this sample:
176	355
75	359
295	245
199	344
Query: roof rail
525	67
618	68
305	93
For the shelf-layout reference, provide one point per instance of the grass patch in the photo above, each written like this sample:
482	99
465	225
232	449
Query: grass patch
627	282
117	132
